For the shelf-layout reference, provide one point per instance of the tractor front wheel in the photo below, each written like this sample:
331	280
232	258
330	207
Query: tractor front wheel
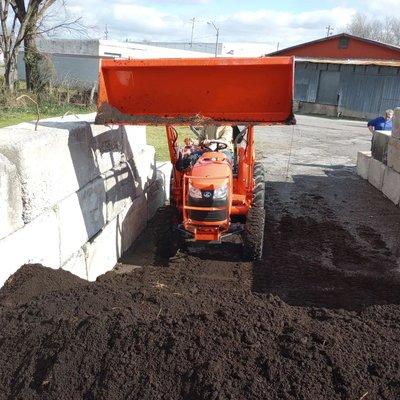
166	238
253	237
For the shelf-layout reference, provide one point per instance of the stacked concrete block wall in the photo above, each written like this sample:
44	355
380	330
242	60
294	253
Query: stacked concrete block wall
74	195
381	166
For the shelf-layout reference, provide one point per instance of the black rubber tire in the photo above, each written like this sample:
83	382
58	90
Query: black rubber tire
166	238
253	236
259	188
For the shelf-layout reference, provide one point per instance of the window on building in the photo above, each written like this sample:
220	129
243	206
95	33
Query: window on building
343	42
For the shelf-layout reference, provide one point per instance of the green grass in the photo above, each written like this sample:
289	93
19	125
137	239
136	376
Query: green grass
15	116
157	137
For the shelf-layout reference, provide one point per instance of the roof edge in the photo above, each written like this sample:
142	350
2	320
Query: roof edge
324	39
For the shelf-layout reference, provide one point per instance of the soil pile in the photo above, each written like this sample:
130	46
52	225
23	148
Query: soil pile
291	327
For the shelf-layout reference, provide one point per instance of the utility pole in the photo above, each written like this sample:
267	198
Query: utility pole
217	32
191	37
329	30
277	47
106	32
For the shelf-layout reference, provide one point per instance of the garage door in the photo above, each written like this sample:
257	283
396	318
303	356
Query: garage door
328	87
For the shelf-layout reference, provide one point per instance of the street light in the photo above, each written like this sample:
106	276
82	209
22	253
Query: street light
216	42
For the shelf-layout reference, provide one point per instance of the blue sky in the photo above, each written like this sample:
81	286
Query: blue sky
265	23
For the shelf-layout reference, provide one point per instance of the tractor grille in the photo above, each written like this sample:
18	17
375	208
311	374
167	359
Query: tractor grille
206	215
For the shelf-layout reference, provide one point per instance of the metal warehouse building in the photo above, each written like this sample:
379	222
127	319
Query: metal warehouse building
346	75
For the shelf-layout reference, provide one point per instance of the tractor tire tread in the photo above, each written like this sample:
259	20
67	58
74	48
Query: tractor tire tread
165	237
253	238
259	188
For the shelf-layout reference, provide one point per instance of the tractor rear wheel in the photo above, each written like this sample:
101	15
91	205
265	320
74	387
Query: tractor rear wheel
166	238
253	237
259	182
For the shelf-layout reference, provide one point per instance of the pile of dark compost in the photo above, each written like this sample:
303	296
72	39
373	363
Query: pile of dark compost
318	318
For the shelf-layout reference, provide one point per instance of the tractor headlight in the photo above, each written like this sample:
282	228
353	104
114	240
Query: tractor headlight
194	192
221	193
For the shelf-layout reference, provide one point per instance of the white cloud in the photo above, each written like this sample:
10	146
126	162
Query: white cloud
137	21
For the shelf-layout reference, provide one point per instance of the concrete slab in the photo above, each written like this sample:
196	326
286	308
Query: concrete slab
131	223
102	252
52	163
72	153
36	242
80	217
396	123
376	173
155	197
133	139
107	146
164	169
394	154
77	264
379	146
10	198
363	161
391	185
144	166
121	188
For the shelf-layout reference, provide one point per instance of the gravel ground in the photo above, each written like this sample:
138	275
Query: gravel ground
317	318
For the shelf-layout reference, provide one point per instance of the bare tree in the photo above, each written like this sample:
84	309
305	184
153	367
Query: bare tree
21	22
9	42
386	30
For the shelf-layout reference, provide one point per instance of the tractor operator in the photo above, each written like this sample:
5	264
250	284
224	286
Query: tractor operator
221	134
207	135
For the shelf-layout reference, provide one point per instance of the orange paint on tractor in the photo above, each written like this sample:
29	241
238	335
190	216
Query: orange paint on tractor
210	194
223	91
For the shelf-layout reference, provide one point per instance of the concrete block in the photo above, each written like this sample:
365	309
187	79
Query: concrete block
379	146
72	153
155	197
143	166
376	172
164	169
76	264
102	252
131	222
363	160
108	146
81	216
10	198
394	154
134	140
396	123
36	242
52	163
391	185
121	189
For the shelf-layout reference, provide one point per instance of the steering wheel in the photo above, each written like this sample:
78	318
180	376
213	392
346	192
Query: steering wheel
220	146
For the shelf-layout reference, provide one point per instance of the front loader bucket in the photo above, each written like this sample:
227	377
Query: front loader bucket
204	91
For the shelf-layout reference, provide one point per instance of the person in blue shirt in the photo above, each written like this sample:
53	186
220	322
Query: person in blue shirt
381	123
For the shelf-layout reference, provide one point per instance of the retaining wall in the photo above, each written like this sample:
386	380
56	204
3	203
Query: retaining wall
381	165
74	195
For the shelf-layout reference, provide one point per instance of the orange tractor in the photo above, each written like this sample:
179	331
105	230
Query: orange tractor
218	195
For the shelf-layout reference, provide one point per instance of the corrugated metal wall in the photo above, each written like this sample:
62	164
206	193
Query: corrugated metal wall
70	70
364	91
